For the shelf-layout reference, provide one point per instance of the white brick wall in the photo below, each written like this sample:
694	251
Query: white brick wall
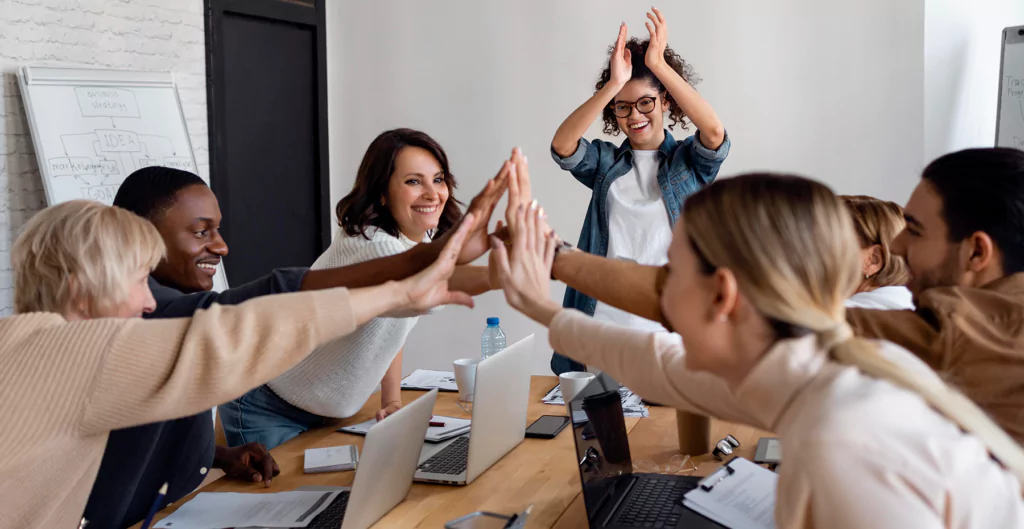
123	34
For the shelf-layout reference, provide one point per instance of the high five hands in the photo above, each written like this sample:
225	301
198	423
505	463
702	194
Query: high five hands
524	267
522	250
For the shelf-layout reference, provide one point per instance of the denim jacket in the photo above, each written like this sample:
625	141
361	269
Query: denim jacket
684	168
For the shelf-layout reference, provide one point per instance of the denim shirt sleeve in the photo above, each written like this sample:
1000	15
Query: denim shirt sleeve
171	303
589	160
705	162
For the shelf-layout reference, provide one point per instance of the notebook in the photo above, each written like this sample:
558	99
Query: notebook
739	495
453	427
331	459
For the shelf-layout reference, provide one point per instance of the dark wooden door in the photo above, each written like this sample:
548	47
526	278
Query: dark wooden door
267	99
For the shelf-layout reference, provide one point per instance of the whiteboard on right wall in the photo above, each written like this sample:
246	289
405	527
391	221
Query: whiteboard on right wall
1010	116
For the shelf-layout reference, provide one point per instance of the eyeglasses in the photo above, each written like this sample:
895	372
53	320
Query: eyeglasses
678	464
644	105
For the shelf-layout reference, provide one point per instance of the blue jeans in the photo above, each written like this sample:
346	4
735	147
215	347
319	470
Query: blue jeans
262	416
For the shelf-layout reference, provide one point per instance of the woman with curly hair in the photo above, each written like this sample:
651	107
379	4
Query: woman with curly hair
639	186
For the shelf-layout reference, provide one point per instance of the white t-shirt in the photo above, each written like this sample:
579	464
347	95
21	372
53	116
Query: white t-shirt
639	229
882	298
337	378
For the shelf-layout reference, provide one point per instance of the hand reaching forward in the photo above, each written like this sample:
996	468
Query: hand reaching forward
481	208
429	288
525	275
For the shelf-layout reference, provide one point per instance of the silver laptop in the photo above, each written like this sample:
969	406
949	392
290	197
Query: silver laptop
390	454
500	400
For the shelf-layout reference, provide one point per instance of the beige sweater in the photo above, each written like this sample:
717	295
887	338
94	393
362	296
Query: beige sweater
64	386
859	452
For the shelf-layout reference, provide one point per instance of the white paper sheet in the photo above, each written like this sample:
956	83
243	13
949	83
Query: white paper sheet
744	499
427	380
453	427
632	404
218	510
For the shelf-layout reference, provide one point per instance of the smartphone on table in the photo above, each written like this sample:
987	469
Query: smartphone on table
547	426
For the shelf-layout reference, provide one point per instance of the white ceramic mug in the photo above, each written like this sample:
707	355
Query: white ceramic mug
572	383
465	377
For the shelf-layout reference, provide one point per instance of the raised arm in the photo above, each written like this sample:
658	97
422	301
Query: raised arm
568	135
403	265
652	364
471	279
154	370
636	288
712	132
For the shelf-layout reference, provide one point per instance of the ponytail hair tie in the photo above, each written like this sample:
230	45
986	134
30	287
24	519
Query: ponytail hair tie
839	334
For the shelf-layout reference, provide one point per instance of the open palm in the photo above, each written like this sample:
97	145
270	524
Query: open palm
429	288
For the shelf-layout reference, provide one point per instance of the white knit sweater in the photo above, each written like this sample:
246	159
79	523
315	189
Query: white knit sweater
337	378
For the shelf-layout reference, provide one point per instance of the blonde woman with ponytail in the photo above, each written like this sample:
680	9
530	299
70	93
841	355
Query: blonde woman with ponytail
873	437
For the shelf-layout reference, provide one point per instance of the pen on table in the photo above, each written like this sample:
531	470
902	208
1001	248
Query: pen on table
156	506
515	520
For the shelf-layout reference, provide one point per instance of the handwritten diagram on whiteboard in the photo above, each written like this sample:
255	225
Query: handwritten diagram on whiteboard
1010	128
90	134
92	128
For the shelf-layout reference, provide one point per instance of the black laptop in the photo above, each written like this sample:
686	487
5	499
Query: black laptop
615	497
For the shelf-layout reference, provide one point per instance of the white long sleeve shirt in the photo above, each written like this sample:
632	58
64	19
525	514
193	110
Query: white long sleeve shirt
860	452
339	376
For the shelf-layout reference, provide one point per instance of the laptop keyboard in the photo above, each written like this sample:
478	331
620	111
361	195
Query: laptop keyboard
653	503
332	516
451	460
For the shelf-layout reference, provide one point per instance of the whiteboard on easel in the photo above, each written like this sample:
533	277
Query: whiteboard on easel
92	128
1010	114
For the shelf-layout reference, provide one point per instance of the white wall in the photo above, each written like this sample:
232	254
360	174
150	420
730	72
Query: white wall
962	41
138	35
833	92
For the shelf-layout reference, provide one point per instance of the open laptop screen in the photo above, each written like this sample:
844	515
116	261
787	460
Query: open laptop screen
602	448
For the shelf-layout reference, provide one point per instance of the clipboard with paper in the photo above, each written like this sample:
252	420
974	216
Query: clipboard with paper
739	495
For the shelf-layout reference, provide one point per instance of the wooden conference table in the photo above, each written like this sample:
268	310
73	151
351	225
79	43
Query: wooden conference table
540	472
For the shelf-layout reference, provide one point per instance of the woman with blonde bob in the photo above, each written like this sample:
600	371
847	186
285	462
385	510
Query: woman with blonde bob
76	361
877	223
872	437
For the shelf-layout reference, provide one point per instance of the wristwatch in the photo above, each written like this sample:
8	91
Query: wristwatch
563	247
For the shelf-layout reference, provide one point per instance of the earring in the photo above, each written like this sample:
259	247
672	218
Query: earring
722	318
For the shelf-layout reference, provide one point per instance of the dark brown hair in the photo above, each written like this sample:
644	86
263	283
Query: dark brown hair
638	51
362	207
983	190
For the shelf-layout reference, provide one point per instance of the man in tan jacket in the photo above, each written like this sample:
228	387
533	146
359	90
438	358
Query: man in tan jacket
964	244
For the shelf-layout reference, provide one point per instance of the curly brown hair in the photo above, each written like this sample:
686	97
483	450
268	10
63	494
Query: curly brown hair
638	50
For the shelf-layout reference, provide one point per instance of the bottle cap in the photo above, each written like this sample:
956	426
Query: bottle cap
493	321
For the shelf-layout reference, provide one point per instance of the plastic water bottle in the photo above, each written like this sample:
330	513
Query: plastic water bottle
493	339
